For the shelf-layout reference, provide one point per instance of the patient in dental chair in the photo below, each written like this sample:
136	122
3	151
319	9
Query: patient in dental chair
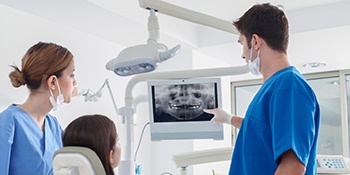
98	133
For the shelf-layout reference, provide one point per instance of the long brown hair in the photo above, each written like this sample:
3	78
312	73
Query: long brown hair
96	132
40	62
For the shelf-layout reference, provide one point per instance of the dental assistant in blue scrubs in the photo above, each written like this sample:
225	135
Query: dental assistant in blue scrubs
279	133
29	135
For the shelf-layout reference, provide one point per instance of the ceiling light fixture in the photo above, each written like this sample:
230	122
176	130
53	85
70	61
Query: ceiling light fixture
314	65
335	82
145	57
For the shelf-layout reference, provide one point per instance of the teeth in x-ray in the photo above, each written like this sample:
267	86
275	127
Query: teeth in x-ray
184	106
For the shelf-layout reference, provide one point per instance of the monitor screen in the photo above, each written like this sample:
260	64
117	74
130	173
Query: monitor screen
176	108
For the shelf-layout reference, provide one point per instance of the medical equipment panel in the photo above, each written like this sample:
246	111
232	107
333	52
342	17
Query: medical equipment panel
335	164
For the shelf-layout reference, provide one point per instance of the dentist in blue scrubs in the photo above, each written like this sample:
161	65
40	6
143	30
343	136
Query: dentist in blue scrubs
279	133
29	135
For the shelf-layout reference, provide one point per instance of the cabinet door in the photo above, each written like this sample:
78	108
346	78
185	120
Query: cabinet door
328	94
327	90
243	94
347	84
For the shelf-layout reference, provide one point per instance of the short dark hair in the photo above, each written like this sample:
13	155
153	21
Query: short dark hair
267	21
96	132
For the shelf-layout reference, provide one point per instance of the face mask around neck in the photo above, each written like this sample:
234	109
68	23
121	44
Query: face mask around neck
60	99
254	66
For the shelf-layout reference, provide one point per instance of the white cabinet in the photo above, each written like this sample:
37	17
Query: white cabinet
333	93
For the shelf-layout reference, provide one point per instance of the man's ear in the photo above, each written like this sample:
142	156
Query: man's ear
256	41
51	82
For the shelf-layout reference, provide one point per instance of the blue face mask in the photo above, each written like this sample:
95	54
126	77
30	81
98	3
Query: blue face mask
254	66
60	99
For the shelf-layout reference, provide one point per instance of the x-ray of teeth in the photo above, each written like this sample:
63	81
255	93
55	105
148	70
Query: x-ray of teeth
184	102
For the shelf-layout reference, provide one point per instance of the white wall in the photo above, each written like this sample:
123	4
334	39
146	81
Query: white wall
19	31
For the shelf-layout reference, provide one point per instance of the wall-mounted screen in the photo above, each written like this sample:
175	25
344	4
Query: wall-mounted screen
176	108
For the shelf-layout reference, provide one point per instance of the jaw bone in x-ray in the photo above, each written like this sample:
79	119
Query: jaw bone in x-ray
184	102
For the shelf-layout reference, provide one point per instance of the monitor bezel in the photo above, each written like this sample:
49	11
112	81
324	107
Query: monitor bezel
187	129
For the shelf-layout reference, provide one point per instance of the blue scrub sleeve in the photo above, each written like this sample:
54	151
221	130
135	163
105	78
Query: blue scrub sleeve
292	122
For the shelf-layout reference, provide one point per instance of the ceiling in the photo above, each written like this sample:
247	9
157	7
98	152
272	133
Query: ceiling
124	22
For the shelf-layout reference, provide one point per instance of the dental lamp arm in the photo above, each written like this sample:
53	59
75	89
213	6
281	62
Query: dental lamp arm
113	100
153	28
153	31
89	95
225	71
188	15
203	156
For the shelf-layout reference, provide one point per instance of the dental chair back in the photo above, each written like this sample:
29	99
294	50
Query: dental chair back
75	160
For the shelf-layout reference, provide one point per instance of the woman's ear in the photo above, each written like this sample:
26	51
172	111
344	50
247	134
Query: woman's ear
51	82
111	157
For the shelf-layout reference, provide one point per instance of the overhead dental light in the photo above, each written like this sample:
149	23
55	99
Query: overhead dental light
145	57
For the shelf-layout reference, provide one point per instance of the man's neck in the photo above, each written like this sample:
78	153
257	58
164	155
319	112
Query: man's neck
271	62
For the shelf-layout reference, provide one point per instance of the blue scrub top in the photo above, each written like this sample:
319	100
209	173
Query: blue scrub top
283	115
24	148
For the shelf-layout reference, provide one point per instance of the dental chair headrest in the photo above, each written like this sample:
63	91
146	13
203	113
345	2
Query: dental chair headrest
75	160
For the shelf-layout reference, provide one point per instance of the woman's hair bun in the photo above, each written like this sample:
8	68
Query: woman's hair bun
17	77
